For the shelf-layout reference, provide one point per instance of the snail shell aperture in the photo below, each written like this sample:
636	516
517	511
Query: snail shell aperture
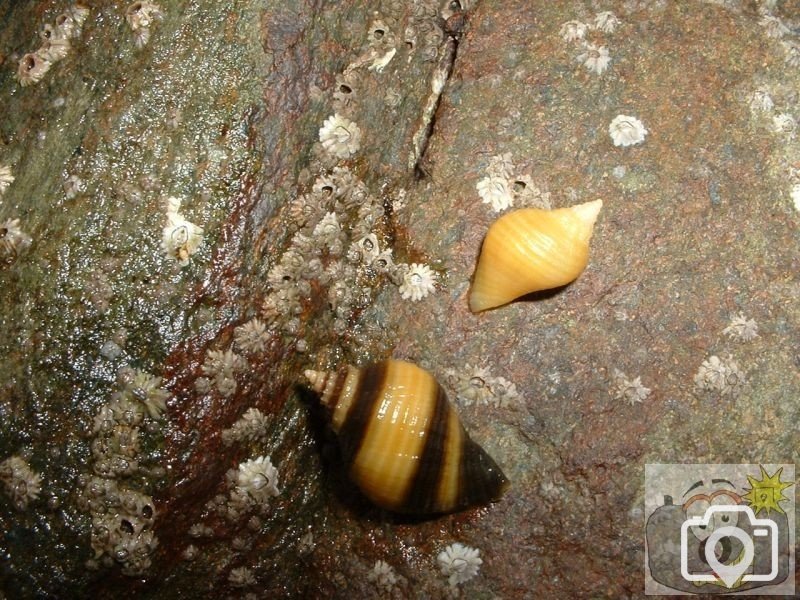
403	442
532	249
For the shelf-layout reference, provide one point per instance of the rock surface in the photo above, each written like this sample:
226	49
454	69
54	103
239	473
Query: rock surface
123	373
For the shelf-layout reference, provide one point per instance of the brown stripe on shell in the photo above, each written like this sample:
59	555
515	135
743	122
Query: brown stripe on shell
422	497
365	396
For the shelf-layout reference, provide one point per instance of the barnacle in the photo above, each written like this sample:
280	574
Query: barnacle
340	136
527	193
32	67
761	101
140	16
241	577
147	389
795	194
383	576
595	58
494	190
12	239
785	123
418	281
774	26
380	62
258	479
22	483
476	385
346	89
720	376
459	563
222	367
573	30
501	165
630	390
606	21
6	178
252	337
180	239
251	427
73	186
792	50
743	328
626	131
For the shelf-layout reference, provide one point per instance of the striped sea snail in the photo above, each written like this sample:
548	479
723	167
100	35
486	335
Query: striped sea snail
532	249
403	442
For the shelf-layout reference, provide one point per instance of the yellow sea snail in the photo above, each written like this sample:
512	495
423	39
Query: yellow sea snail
532	249
402	440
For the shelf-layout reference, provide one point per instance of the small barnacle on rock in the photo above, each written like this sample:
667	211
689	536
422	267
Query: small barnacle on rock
629	390
720	376
251	427
606	21
73	186
12	239
526	193
199	530
380	62
742	328
340	136
366	249
626	131
6	179
761	101
147	389
241	577
774	26
459	563
346	89
595	58
252	337
795	194
792	50
471	385
180	239
258	479
785	123
32	67
383	576
306	543
21	482
418	281
140	16
494	190
222	367
573	30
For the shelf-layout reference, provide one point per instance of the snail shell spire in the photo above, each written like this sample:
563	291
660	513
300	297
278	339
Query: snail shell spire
530	250
403	442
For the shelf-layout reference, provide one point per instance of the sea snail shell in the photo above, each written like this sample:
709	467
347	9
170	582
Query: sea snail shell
531	249
402	440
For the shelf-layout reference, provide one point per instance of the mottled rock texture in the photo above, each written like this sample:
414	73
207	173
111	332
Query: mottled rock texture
222	108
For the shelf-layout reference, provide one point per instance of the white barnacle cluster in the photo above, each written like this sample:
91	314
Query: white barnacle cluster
122	517
476	385
502	189
720	376
180	239
459	563
382	575
251	487
251	337
594	54
629	390
252	426
626	131
335	253
742	328
55	45
258	478
22	484
12	239
424	35
340	136
140	17
221	367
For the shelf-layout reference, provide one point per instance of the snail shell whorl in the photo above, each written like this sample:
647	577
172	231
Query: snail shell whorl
403	442
530	250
